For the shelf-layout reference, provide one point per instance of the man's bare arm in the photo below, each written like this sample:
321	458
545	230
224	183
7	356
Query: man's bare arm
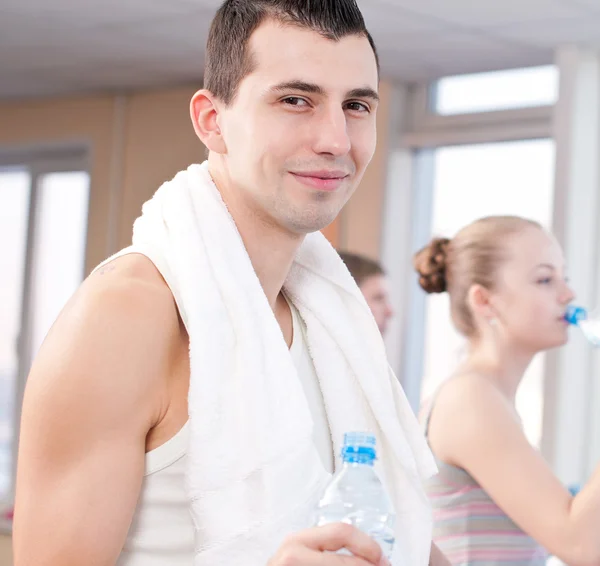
91	398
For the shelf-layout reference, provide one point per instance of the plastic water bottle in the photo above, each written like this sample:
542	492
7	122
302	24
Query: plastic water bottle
590	326
356	495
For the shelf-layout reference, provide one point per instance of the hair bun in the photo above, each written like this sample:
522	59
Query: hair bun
430	263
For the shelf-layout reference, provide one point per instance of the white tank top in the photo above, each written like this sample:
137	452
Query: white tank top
162	532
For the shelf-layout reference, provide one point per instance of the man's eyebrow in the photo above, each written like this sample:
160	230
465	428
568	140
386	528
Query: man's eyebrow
311	88
365	92
300	86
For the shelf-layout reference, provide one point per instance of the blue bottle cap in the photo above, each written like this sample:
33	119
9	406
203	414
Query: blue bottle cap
359	448
575	315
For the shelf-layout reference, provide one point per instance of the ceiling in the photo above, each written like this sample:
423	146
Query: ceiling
73	46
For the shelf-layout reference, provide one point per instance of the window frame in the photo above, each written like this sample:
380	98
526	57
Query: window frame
428	129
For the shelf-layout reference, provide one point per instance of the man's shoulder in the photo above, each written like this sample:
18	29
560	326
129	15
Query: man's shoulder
129	284
134	270
109	351
126	306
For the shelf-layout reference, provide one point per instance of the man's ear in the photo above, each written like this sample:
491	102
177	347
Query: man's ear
204	111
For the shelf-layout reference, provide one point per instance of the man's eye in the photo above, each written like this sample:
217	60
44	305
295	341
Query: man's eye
295	101
358	107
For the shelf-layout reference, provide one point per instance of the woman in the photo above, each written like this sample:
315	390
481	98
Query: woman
496	501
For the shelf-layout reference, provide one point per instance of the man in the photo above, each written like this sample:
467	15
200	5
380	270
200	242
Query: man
372	281
288	117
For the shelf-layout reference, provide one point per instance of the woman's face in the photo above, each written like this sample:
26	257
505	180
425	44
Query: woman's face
532	293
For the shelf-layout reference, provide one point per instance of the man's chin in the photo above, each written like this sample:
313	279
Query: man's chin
313	223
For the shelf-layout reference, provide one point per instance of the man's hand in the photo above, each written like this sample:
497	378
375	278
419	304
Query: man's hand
316	547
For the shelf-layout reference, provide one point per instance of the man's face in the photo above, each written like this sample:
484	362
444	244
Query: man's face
301	129
376	293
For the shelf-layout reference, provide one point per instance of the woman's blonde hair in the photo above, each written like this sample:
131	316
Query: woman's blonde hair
472	257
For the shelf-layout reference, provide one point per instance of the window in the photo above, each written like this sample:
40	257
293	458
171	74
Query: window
500	90
59	247
14	211
43	227
470	182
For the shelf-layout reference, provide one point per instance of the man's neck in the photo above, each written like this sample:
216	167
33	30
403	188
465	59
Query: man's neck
271	253
271	248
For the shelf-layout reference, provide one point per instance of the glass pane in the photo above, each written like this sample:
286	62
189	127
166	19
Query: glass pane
500	90
471	182
14	213
60	238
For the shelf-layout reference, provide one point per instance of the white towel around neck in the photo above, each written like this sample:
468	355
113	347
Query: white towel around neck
254	471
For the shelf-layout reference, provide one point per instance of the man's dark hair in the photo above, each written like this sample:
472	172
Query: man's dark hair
227	58
361	267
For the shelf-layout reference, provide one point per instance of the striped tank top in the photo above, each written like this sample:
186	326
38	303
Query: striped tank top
469	528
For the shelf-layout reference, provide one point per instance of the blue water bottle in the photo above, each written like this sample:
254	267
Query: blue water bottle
589	325
356	495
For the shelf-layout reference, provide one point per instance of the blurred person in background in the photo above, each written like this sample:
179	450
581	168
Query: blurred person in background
496	501
373	283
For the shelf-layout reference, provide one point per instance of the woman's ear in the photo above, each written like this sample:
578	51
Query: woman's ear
479	301
204	111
